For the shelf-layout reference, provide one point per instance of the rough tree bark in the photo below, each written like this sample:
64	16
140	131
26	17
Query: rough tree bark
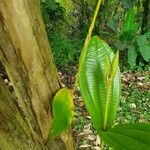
25	53
13	126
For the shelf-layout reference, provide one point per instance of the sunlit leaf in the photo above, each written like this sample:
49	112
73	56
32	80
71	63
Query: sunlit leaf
62	110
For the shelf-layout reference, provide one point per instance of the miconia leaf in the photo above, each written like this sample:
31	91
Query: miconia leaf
95	64
62	110
128	136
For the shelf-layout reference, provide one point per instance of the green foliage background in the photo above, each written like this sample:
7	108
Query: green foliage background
124	24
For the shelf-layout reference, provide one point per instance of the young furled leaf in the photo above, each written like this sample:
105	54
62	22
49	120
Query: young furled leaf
62	110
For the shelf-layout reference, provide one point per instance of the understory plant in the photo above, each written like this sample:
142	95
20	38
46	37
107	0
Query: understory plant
99	82
138	43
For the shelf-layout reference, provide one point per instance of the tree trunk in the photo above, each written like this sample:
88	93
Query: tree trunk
25	53
14	131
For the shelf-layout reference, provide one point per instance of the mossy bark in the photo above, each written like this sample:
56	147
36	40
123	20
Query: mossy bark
25	53
14	130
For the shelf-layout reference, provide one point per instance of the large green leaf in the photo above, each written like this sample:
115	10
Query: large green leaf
101	100
62	110
144	47
128	137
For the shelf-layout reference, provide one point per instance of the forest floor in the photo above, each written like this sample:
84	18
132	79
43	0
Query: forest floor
134	106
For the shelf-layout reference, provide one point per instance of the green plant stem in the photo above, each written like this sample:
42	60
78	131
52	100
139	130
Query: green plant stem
87	41
92	25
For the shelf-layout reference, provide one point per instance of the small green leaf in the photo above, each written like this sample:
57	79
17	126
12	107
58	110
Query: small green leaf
128	136
62	110
144	47
132	55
